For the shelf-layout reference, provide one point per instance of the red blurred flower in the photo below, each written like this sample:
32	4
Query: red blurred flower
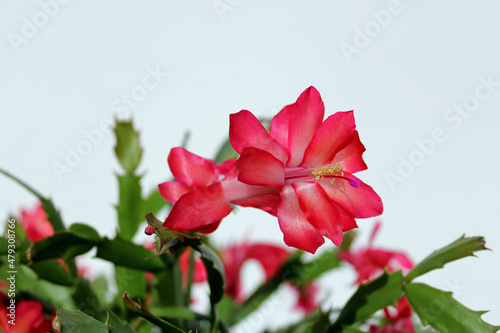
35	223
306	301
308	165
29	317
271	258
199	272
370	262
399	319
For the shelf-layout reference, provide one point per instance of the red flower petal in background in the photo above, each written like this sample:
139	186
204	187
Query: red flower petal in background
306	297
399	322
35	223
370	262
271	258
199	272
29	318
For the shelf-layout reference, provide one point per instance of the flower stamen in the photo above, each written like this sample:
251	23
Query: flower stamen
333	172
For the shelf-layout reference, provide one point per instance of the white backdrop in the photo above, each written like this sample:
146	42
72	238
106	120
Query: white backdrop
422	77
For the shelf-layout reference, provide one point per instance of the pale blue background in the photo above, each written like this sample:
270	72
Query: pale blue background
261	55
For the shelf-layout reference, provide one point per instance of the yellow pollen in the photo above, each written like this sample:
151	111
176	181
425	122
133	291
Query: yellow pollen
327	170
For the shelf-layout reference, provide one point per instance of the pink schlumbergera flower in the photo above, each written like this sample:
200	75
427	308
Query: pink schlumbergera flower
309	165
300	171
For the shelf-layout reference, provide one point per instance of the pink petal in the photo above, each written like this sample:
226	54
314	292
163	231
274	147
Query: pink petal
172	191
297	231
360	202
191	169
319	211
36	224
228	169
279	125
403	260
267	202
199	208
351	156
246	131
30	318
347	220
258	167
305	119
306	300
209	228
374	232
271	257
233	259
336	132
199	272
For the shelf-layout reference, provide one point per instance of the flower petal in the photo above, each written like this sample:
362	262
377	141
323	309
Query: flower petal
191	169
30	318
305	118
319	211
246	131
351	156
228	169
258	167
336	132
267	202
271	257
279	125
209	228
199	208
172	191
306	297
36	224
347	220
297	231
359	202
